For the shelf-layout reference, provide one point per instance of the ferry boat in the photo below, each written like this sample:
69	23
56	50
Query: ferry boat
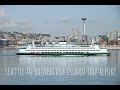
63	49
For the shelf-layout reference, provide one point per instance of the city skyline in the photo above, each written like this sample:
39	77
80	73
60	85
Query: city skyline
61	19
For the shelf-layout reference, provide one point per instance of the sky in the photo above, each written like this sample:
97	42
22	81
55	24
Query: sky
59	20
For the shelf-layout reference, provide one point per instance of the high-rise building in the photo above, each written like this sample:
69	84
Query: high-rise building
117	34
107	34
110	36
118	40
75	33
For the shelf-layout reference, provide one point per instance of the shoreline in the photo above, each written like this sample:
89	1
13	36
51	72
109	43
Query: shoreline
8	47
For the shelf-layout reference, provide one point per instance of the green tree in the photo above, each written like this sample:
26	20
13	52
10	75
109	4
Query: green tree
104	37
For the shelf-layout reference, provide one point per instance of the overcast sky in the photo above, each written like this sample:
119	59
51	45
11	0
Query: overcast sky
61	19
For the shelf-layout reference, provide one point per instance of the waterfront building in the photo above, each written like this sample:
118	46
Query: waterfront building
62	38
67	39
96	39
45	39
118	40
75	33
110	36
117	34
4	42
107	34
51	39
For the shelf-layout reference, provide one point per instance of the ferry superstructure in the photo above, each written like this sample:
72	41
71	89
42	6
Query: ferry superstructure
63	49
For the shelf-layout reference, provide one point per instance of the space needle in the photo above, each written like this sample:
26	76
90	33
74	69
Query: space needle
84	37
84	25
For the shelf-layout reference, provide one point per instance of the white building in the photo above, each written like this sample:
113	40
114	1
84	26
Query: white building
118	39
117	33
76	33
96	39
110	36
51	39
62	38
